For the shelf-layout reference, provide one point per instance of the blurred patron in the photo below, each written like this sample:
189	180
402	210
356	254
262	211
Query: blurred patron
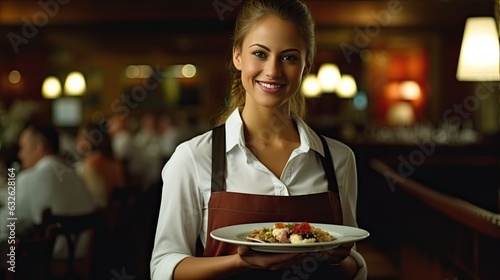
121	138
146	161
100	170
45	182
169	136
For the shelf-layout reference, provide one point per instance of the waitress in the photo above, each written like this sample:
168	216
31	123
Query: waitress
262	163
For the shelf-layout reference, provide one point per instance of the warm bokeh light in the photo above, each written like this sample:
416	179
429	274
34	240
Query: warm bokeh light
480	55
391	91
347	87
51	88
188	70
328	77
138	71
132	71
409	90
366	55
310	86
75	84
400	113
14	76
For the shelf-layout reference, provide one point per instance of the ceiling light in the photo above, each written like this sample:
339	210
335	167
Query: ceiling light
328	77
75	84
310	86
347	87
51	88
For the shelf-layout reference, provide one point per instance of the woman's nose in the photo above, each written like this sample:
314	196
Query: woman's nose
273	69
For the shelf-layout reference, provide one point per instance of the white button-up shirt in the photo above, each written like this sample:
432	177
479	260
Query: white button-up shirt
187	186
49	184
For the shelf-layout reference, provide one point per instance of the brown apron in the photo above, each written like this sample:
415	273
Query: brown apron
230	208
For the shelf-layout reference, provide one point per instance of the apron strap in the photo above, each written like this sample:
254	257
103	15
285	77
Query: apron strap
219	161
327	163
219	158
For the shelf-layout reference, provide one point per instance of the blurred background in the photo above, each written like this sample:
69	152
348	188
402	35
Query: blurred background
385	80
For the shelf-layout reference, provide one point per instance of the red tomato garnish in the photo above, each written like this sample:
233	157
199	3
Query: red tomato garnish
301	228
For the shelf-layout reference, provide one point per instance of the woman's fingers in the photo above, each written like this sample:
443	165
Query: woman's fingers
272	261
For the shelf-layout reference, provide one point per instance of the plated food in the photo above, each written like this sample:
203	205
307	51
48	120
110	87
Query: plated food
292	233
239	234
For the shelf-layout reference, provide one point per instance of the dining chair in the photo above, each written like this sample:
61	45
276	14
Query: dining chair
72	228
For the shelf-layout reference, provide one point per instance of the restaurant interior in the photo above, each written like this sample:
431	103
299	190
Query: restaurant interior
390	79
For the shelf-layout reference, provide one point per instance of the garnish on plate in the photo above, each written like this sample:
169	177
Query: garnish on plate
293	233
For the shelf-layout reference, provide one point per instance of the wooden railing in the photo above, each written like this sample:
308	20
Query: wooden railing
457	209
472	247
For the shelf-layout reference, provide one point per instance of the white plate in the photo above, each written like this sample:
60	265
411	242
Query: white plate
236	235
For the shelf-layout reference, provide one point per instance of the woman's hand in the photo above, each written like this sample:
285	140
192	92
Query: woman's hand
337	255
341	261
259	260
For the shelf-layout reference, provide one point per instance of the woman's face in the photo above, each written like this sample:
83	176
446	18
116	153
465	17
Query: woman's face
272	62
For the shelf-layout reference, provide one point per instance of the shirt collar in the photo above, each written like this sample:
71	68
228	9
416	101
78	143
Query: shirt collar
234	124
309	139
46	160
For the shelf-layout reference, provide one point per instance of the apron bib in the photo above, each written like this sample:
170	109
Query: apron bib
230	208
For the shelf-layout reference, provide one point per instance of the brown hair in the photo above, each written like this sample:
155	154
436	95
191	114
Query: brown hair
103	141
252	12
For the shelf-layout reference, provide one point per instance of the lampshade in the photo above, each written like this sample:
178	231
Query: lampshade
75	84
51	88
310	86
347	87
479	56
328	77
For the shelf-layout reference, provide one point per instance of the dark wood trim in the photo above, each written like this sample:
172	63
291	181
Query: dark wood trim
460	211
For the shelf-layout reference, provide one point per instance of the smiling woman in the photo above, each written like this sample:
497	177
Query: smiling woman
390	40
277	166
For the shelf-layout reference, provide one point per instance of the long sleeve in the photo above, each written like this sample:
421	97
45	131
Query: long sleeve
180	216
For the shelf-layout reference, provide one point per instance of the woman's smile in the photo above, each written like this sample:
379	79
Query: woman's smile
270	87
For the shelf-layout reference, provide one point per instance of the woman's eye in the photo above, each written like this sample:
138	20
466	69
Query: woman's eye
259	54
289	58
